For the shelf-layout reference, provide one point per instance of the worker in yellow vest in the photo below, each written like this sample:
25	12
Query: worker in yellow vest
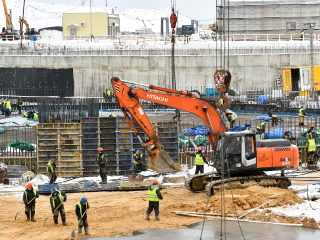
29	199
57	200
51	169
230	118
81	213
154	197
102	161
20	104
310	132
106	94
200	160
138	161
274	118
310	148
261	127
7	108
301	116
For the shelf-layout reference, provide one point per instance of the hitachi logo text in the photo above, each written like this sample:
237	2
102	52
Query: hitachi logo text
155	97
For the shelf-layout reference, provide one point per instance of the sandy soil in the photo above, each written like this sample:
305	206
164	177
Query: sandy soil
121	213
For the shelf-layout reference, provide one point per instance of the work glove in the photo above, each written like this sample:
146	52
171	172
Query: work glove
26	204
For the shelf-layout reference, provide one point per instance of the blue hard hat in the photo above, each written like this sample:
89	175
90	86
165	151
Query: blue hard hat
83	200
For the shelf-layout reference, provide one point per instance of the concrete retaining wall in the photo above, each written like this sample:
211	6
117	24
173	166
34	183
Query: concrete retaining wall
249	70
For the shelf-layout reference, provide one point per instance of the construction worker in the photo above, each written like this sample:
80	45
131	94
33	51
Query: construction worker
19	104
29	199
261	127
274	118
310	148
106	94
288	136
221	102
185	39
262	92
301	116
231	118
3	104
310	132
57	198
199	161
51	169
81	208
33	115
137	161
102	161
302	34
7	108
154	197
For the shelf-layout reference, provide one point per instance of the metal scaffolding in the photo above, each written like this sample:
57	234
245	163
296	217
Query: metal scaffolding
272	16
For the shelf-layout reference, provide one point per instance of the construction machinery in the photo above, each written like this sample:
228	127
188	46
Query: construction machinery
239	158
8	31
29	31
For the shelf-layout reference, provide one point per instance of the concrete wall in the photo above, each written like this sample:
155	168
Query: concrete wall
191	71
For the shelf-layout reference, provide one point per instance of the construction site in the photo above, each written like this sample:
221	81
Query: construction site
214	135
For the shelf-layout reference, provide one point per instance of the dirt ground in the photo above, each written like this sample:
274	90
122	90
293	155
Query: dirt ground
122	213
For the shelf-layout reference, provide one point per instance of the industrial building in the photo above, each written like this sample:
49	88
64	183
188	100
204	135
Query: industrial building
79	24
270	16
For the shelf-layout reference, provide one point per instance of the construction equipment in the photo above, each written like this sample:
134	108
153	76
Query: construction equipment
29	31
244	159
8	31
213	27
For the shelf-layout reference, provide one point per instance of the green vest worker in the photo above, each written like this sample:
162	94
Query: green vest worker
19	104
29	199
287	135
7	107
199	160
231	118
154	196
261	127
81	208
309	132
311	145
137	161
301	116
102	163
57	198
51	168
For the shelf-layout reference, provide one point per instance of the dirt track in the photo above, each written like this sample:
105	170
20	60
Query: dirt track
121	213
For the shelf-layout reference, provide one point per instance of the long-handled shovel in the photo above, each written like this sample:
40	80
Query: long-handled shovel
73	233
44	224
23	208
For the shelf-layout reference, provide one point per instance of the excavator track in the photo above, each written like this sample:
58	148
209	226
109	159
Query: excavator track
198	182
246	181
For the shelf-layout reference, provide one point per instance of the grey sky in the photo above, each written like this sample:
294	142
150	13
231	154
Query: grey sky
194	9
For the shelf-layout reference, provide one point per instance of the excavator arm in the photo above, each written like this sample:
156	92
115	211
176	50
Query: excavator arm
8	21
22	21
128	98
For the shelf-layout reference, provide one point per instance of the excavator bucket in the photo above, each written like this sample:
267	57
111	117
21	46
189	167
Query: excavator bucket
161	162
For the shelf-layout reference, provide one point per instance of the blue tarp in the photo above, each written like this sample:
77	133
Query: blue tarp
200	130
33	38
276	134
266	118
239	128
262	98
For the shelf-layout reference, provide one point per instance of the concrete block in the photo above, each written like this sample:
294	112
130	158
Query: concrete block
43	62
143	62
285	60
200	61
77	77
87	62
15	62
76	61
63	62
153	62
116	62
162	62
134	62
7	61
180	61
126	62
208	61
36	61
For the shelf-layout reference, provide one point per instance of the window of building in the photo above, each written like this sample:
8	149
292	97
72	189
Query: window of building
291	25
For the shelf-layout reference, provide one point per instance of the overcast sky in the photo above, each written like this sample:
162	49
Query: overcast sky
194	9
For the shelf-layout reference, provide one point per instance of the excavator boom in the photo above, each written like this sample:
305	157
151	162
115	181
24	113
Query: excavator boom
128	98
8	21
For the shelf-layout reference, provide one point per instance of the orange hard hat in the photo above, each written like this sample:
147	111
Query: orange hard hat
100	149
29	185
199	148
287	131
227	112
312	125
155	181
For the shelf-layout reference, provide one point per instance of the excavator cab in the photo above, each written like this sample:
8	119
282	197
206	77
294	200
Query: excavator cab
239	151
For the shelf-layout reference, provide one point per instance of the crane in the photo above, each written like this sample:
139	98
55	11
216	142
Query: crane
244	158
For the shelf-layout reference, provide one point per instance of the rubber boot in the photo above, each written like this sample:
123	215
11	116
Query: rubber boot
148	216
86	231
79	230
157	218
28	217
56	223
65	223
32	218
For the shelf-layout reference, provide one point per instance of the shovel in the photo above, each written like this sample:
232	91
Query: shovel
23	208
50	215
73	233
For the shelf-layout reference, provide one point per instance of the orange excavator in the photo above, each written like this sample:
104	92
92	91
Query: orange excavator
8	32
238	158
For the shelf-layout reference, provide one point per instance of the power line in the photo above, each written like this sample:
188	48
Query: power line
43	10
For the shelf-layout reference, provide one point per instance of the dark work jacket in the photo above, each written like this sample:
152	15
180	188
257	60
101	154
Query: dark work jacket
30	196
83	210
57	199
201	154
153	186
54	168
102	162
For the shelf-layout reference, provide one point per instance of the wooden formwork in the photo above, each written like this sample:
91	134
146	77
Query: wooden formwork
60	142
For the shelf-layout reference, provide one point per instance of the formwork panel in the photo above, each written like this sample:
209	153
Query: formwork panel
60	142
